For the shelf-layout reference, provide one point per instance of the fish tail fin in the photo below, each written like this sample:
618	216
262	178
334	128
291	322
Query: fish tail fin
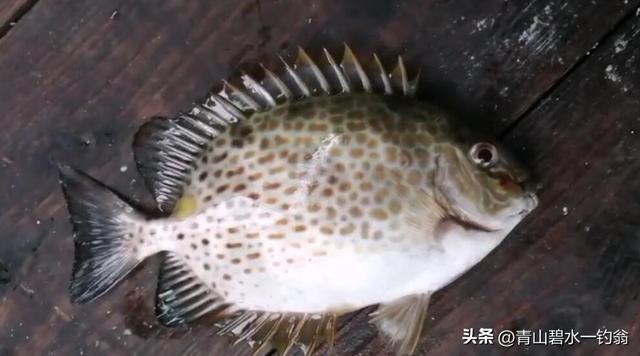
104	253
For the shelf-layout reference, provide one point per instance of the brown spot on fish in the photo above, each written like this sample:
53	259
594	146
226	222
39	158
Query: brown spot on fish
331	212
272	185
255	176
356	125
232	245
355	212
356	152
264	143
381	195
240	187
366	186
318	126
293	158
278	169
266	158
327	230
346	230
391	154
237	143
394	206
276	236
378	214
414	177
254	196
280	140
253	256
222	188
219	158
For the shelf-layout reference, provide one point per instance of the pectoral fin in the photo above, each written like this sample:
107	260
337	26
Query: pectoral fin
402	321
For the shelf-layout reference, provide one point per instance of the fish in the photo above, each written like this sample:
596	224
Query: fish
287	201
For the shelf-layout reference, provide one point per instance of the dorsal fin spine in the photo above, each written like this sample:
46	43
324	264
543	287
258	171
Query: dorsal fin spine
285	91
349	58
303	57
383	75
339	74
253	86
296	78
244	98
233	112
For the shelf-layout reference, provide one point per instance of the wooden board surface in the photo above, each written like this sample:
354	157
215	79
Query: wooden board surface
10	11
78	77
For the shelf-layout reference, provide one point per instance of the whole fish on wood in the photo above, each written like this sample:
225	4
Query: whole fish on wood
295	199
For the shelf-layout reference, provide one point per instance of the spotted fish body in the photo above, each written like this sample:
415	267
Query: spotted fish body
286	213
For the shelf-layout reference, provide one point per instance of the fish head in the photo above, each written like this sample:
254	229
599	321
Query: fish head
483	186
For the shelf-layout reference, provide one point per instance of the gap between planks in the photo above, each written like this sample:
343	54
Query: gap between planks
568	73
13	20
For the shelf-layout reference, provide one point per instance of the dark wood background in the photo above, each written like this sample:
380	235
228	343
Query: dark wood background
557	80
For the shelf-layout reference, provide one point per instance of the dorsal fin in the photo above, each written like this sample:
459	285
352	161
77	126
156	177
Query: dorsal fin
166	150
182	297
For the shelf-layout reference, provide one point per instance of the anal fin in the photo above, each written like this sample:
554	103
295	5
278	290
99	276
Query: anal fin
283	331
402	321
182	297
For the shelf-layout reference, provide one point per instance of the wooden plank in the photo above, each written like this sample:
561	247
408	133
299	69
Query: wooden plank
10	11
575	262
78	77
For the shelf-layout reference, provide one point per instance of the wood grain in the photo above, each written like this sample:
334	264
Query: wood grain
78	77
11	11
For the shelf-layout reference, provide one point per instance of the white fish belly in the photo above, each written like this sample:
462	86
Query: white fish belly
346	276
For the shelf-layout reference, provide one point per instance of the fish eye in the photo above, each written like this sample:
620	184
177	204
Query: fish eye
484	154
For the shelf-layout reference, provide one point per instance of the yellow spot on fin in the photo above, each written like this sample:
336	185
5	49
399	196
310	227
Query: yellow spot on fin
186	206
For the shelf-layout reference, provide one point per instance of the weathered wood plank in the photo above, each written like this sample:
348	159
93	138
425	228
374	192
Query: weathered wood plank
8	10
575	263
77	78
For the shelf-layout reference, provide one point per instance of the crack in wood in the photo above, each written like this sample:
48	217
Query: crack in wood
568	73
14	18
